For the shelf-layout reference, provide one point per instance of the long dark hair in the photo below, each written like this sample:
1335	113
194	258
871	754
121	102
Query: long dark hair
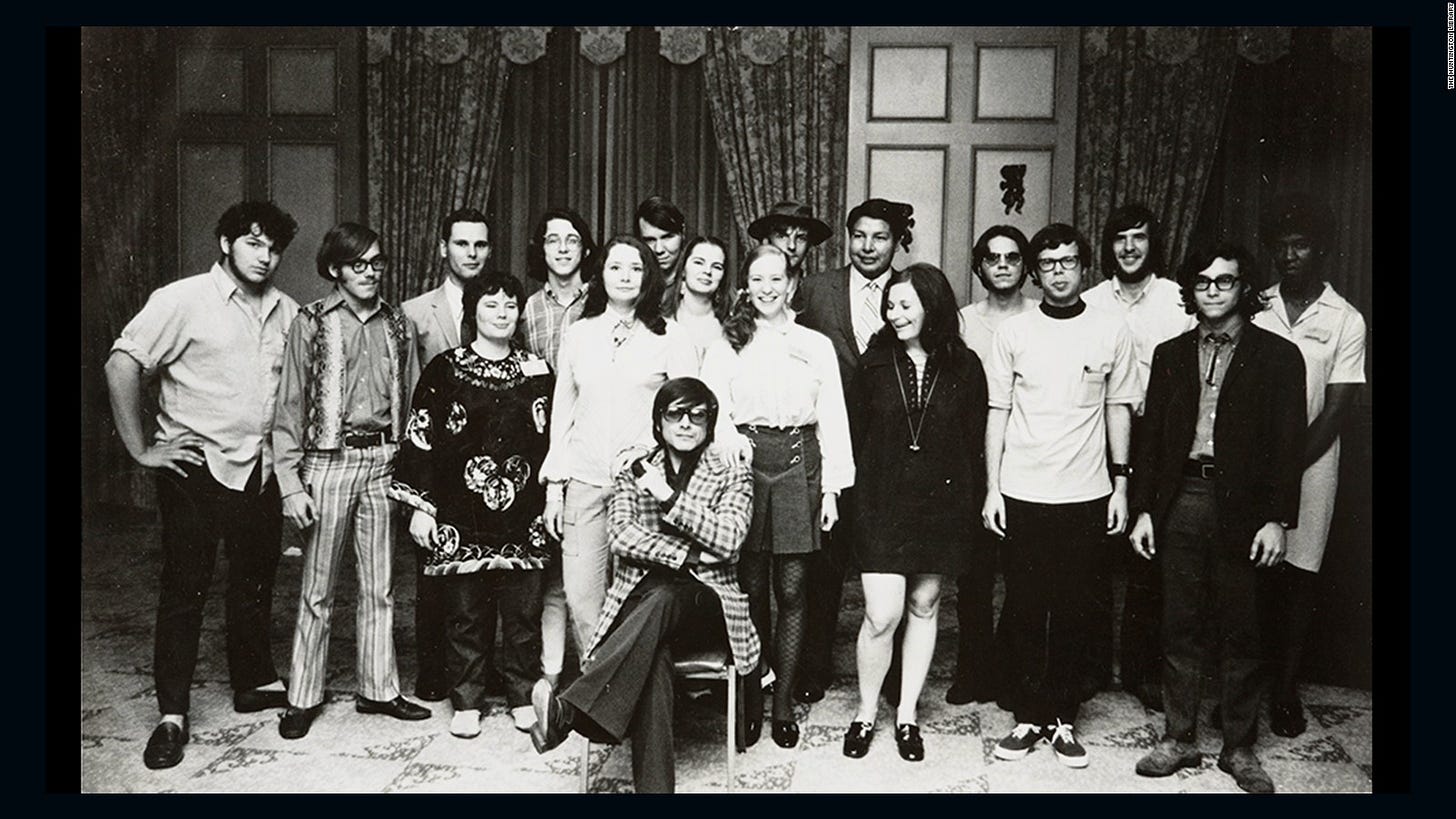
649	300
1128	217
722	297
536	248
738	328
941	331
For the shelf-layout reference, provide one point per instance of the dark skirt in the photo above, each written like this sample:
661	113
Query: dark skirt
786	490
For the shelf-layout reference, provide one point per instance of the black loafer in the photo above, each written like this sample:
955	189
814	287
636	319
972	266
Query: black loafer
296	721
399	708
164	748
752	730
785	733
431	694
857	739
1286	719
809	693
250	700
907	741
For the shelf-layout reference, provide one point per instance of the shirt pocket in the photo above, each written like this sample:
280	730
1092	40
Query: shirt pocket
1092	381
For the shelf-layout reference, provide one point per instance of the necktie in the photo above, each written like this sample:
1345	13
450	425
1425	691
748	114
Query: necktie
1218	340
867	316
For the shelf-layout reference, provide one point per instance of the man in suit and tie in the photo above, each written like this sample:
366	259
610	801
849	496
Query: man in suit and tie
436	316
1216	482
844	304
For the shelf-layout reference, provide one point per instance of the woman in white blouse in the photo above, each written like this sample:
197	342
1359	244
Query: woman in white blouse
700	300
612	361
782	406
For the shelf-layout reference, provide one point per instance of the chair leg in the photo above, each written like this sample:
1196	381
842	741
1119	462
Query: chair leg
582	768
732	741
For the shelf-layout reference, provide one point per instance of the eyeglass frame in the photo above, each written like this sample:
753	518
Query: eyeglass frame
1202	283
379	264
1010	257
1066	263
697	415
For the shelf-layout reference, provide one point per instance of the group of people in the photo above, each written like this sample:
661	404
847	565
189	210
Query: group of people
646	456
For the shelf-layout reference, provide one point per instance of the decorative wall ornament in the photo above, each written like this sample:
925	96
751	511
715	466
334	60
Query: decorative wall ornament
836	44
603	44
1264	44
682	44
444	44
379	43
1351	44
524	44
1094	42
1171	45
764	45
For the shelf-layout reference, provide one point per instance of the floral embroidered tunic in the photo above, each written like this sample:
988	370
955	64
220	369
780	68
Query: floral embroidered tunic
473	448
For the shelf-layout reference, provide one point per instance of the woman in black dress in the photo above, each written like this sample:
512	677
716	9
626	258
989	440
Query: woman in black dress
475	441
919	419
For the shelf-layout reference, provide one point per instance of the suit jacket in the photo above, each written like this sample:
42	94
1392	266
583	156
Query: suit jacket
1258	431
825	300
710	514
429	312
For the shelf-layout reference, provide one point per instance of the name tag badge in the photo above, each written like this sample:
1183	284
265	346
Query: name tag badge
534	366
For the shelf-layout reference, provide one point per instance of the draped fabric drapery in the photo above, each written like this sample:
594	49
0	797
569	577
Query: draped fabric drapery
1147	131
782	129
433	121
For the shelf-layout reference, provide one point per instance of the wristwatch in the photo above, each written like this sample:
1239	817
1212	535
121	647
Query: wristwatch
1120	470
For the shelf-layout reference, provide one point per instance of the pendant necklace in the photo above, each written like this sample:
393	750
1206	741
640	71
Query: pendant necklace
915	430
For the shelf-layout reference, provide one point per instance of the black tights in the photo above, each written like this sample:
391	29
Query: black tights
789	572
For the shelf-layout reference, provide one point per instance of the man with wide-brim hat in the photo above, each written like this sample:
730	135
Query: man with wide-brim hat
792	228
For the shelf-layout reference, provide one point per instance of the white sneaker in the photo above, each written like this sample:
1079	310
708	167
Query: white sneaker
466	724
525	717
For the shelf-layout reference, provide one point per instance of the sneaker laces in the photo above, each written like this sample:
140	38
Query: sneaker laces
1062	732
1022	729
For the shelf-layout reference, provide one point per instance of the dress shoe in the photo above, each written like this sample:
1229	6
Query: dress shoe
785	733
752	730
399	708
553	717
908	742
249	700
431	690
1169	757
1286	719
164	748
296	721
808	693
1244	767
857	739
1150	695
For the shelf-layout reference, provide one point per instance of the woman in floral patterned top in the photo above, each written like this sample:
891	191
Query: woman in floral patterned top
474	445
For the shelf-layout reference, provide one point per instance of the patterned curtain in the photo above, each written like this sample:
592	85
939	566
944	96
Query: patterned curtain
432	123
783	126
121	252
1147	131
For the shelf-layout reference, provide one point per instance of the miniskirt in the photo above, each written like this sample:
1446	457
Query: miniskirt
786	490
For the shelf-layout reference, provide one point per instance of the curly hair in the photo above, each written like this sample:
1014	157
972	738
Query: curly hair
1250	303
271	219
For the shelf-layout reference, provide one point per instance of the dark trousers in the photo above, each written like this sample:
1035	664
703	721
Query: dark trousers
471	601
430	639
1140	653
196	512
626	690
1210	600
1287	602
976	616
1054	552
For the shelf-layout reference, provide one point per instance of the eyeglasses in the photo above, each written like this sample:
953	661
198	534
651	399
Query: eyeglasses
698	415
1224	282
1068	263
572	241
379	263
996	258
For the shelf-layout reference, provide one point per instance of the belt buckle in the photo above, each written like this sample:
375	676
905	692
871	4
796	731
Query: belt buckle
1207	471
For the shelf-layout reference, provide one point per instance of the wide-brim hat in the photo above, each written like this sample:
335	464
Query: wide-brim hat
791	213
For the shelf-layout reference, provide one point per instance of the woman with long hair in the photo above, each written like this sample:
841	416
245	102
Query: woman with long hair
783	409
474	442
612	361
918	433
701	298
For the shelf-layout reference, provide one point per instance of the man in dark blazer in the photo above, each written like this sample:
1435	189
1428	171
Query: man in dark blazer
844	304
1215	485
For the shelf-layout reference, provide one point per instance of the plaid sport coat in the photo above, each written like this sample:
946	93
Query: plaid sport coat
710	514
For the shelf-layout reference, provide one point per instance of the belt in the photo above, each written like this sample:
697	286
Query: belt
363	440
1206	470
806	429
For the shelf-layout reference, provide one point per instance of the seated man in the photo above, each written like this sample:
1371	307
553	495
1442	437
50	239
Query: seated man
677	519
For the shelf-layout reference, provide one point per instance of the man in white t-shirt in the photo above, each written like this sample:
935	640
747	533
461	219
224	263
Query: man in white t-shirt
1062	383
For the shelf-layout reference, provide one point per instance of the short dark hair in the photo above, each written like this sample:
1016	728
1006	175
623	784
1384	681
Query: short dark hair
1297	212
484	285
941	330
345	242
1055	235
1127	217
649	300
271	219
898	215
660	213
1250	303
536	247
690	391
742	319
722	297
461	215
982	249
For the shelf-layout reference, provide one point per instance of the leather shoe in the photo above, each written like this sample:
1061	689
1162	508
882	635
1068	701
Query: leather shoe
809	693
164	748
429	694
857	739
553	717
1286	719
250	700
1244	767
785	733
1169	757
399	708
752	730
908	742
296	721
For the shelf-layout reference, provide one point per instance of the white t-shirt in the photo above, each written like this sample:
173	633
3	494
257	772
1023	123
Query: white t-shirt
1057	377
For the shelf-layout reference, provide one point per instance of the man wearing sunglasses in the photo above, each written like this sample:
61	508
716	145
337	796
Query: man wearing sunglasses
342	404
1215	486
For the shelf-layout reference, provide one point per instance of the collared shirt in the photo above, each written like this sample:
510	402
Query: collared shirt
785	376
1215	351
546	319
1330	334
862	289
1154	315
219	365
604	391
